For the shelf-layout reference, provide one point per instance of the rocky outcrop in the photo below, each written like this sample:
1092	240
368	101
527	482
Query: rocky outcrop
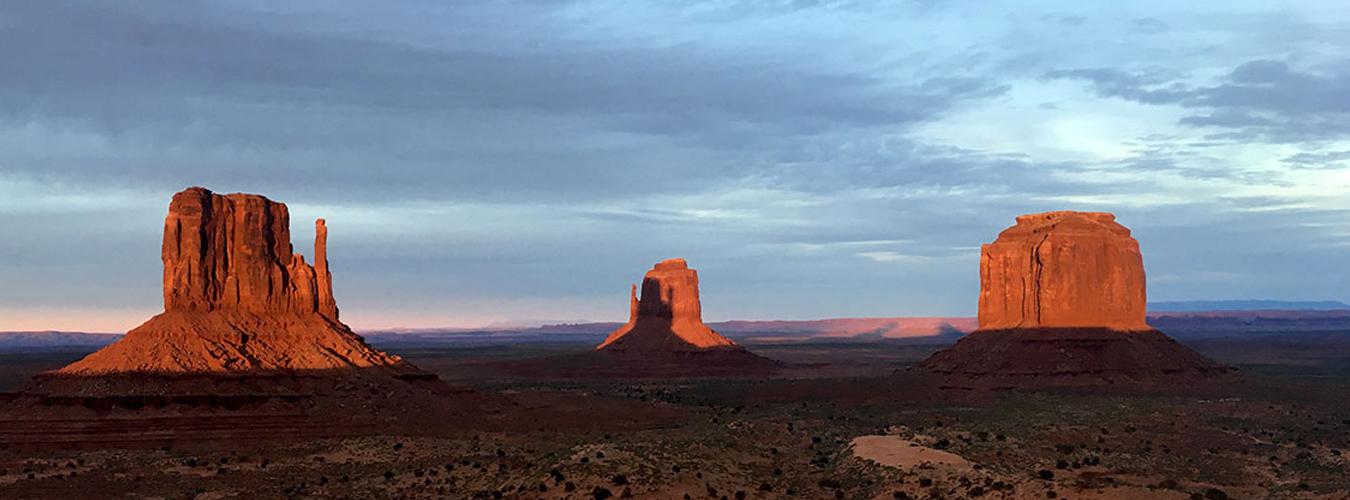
1062	303
1063	270
237	299
233	252
668	317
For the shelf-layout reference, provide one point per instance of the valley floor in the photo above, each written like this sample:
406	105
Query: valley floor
1281	431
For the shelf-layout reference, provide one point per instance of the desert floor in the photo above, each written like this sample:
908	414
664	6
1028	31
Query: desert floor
1279	430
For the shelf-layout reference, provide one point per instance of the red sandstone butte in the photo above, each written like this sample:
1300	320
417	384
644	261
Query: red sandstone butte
1062	299
669	317
238	299
1063	270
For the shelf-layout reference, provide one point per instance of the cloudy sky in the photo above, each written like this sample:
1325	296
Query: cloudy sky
525	160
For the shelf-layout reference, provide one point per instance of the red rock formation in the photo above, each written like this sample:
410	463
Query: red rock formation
1062	303
327	304
668	317
233	252
237	299
1063	270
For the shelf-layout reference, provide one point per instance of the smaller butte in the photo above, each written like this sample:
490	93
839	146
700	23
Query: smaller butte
668	317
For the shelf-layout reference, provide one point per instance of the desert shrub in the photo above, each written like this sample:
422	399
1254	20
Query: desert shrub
1045	474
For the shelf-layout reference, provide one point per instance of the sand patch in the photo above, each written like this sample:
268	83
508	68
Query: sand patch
896	451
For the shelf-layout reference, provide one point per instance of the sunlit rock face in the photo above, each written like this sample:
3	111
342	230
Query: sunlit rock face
668	316
1062	303
1063	270
237	299
233	252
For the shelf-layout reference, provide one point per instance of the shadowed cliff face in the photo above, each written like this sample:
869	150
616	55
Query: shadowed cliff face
668	317
1063	270
236	299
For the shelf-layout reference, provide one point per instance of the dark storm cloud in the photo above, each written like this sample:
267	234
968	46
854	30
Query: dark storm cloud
1264	99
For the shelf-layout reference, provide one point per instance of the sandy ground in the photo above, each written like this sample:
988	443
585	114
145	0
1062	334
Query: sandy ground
896	451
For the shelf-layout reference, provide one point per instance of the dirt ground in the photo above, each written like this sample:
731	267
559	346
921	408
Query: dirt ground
1281	430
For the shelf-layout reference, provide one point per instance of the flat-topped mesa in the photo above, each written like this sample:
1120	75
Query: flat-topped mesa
1062	303
1063	270
233	252
668	316
238	300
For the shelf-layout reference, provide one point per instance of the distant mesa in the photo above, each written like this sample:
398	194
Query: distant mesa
1062	301
237	299
668	317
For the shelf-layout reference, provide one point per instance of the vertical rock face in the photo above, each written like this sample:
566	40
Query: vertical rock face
324	279
1063	270
668	317
236	298
1062	303
233	252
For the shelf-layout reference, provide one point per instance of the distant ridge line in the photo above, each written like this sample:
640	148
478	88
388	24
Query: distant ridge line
1246	305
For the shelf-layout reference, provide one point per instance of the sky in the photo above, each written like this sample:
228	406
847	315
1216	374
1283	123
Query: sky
525	161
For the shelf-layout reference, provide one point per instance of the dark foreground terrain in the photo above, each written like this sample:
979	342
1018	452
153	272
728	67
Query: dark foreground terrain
1279	430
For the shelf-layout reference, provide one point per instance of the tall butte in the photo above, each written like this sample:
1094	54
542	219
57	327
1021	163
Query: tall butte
238	300
1062	297
668	317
